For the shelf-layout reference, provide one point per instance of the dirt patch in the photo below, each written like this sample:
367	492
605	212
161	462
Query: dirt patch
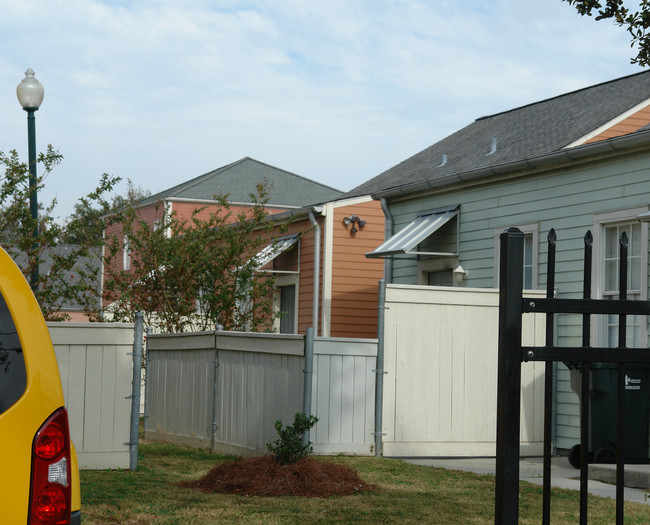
263	476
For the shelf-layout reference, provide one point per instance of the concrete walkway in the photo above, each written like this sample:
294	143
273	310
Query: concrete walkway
563	475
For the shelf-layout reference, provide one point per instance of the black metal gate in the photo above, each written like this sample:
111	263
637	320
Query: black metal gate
512	305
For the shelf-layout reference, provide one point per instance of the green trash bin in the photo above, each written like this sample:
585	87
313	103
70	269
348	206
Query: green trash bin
603	407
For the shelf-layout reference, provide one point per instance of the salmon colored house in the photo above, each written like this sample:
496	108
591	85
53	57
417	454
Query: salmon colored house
322	276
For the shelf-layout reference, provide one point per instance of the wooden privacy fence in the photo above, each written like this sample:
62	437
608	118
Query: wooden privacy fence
259	379
96	373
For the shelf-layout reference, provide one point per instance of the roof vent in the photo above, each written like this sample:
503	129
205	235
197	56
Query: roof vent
493	149
443	160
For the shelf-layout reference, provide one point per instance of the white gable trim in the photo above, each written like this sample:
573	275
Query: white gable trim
609	124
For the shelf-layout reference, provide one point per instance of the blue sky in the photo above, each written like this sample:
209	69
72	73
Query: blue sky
161	91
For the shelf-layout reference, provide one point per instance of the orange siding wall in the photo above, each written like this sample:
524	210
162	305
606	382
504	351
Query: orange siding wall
306	268
306	278
629	125
184	210
354	277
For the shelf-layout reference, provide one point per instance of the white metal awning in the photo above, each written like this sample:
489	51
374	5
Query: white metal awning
274	249
407	239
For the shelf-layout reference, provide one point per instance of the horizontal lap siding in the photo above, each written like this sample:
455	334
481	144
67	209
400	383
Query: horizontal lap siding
306	283
628	125
566	201
355	278
185	211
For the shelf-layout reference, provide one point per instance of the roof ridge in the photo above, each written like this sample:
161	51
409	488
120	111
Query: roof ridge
200	178
295	175
183	187
174	190
562	95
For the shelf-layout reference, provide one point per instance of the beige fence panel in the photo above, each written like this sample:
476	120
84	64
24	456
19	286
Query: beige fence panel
96	373
260	379
441	358
343	396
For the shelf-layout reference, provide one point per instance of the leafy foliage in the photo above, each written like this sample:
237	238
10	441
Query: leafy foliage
88	218
289	447
192	274
636	22
72	274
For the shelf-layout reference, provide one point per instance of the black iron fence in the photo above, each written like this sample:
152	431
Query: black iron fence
512	305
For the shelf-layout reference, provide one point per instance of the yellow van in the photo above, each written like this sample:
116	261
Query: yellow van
39	475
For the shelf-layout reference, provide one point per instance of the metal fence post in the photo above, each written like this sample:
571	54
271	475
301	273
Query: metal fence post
623	244
135	391
509	377
549	379
585	367
379	370
308	380
146	377
215	394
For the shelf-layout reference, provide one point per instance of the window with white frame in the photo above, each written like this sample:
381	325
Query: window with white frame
285	303
609	228
126	254
437	271
531	243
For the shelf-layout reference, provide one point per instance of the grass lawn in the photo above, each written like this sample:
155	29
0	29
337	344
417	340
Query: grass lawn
407	494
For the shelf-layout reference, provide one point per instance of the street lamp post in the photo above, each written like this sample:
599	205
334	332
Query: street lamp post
30	95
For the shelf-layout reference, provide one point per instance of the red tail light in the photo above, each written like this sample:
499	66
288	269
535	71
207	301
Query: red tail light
50	493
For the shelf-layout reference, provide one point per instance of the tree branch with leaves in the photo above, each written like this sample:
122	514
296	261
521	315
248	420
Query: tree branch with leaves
72	274
196	274
636	22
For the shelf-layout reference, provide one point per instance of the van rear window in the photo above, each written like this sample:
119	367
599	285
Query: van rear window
13	377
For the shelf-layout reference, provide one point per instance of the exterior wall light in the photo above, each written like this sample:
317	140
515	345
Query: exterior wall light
354	221
460	274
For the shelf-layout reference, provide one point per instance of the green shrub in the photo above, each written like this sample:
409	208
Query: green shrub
289	448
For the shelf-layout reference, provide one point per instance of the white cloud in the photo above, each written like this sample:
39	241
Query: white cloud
160	91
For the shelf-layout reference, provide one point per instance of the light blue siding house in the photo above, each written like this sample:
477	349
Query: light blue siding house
575	162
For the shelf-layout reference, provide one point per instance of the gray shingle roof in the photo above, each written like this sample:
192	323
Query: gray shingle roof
240	179
527	132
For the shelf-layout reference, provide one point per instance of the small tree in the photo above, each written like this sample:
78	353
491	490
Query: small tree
194	274
289	447
72	274
88	220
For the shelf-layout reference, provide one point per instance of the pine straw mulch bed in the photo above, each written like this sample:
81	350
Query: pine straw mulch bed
264	476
